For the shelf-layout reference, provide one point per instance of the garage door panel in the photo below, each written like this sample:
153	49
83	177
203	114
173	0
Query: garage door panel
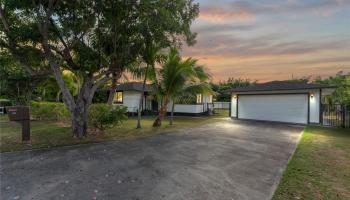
284	108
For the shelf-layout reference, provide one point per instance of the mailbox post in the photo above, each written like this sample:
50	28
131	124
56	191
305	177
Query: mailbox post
20	114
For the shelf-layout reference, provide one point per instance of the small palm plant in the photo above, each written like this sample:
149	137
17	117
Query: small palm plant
175	78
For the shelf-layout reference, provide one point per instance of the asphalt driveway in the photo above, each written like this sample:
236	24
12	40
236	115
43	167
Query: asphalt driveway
225	160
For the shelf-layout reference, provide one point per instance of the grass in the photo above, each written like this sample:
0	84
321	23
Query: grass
46	134
320	167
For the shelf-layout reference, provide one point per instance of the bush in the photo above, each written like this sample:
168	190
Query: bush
49	111
102	116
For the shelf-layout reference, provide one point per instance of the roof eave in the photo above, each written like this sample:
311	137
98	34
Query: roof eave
267	90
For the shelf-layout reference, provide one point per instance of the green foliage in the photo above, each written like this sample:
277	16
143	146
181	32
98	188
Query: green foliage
342	93
103	116
49	90
101	96
15	84
222	87
49	111
178	77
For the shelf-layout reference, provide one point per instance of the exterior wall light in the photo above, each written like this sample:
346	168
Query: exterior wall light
312	95
235	96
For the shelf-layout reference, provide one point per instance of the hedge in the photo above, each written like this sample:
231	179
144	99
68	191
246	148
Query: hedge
49	111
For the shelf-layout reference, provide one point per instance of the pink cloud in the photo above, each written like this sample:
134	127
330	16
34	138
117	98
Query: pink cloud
221	15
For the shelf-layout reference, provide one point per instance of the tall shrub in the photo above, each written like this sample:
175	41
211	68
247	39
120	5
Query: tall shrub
103	116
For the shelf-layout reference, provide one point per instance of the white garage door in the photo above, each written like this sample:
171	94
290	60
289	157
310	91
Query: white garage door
283	107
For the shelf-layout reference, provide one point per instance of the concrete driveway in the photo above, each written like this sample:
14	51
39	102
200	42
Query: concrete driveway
225	160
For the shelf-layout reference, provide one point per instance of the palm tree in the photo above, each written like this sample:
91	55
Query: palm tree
177	77
151	56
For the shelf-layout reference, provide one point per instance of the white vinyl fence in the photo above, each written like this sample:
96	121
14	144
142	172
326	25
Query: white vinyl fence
221	105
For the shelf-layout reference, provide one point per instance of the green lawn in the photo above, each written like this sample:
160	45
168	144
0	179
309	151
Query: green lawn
320	167
45	134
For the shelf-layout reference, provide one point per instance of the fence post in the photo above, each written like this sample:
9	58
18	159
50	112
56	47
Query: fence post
229	110
343	116
321	113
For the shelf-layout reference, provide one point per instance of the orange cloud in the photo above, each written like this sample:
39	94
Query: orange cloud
221	15
276	67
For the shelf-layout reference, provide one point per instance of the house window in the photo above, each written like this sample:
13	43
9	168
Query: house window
199	98
118	97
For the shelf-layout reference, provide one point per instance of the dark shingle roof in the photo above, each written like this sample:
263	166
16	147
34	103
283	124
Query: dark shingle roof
135	86
280	85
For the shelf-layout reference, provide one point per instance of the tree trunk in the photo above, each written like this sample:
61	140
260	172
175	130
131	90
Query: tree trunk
172	113
81	110
162	113
79	121
112	89
141	99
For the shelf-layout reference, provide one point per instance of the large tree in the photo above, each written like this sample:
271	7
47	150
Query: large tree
73	35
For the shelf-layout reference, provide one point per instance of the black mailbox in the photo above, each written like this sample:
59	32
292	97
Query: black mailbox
20	114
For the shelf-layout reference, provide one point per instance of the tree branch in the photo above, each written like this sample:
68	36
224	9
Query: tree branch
97	85
54	64
4	21
66	51
101	74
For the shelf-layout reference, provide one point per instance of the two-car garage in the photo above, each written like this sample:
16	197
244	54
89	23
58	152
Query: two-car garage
280	101
291	108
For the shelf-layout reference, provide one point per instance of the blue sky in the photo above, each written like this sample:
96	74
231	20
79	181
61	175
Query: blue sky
272	40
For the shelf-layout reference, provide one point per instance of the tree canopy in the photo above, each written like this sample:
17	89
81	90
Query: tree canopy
93	39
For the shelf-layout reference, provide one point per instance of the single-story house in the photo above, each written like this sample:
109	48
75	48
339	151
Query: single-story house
129	94
280	101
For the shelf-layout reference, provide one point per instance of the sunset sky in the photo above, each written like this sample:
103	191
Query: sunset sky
272	39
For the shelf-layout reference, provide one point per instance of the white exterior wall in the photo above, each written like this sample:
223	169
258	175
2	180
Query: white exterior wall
233	105
207	98
131	100
314	106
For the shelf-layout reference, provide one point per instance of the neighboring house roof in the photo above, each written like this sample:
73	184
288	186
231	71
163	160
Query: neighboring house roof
280	85
135	86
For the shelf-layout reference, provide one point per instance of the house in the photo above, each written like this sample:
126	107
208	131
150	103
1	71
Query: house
129	94
280	101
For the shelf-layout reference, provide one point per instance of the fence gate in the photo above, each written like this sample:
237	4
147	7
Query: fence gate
335	115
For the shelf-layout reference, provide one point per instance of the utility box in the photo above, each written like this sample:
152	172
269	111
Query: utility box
21	115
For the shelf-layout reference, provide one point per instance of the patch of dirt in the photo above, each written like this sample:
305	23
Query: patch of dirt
63	124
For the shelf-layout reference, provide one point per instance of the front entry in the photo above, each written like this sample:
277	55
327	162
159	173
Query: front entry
155	105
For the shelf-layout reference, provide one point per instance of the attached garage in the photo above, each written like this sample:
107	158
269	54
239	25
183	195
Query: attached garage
279	101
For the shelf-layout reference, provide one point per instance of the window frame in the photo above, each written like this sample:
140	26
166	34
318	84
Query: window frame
116	97
199	96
